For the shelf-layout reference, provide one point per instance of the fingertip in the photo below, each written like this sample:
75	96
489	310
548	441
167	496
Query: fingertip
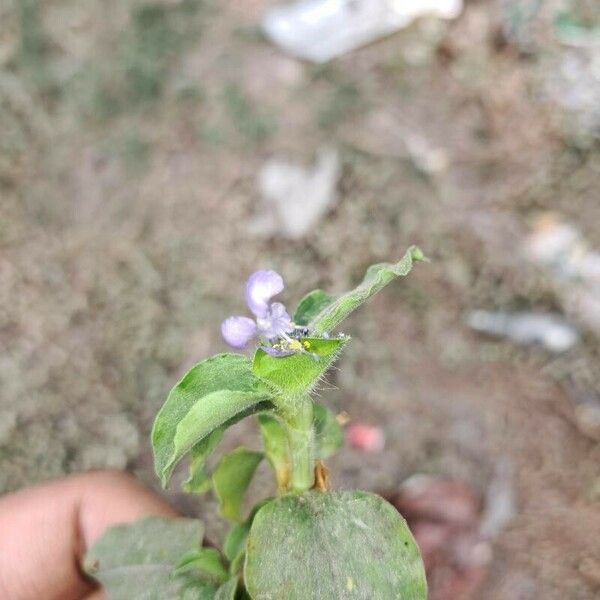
97	595
113	497
47	529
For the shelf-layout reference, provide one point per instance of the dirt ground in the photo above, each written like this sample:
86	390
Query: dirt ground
131	134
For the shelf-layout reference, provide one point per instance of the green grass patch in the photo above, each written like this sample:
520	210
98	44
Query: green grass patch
251	123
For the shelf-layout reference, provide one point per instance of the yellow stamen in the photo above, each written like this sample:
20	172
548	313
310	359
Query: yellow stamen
295	345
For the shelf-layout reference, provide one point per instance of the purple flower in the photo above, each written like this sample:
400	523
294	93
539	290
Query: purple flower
272	320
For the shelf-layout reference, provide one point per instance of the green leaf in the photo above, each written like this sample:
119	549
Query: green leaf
228	590
297	374
329	435
311	305
275	443
231	479
216	392
192	590
342	544
143	553
234	546
243	594
235	542
198	481
375	279
208	562
224	407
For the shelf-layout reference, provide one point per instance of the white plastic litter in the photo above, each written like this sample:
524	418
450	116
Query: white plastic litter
561	247
573	266
586	410
550	331
319	30
500	502
575	81
428	159
295	198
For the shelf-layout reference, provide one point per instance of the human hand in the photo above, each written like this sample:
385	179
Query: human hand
46	530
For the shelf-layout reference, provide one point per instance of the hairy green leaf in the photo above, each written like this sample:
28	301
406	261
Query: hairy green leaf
216	392
231	479
219	408
235	542
207	562
275	443
228	590
342	544
311	305
297	374
192	590
234	546
377	276
198	481
145	551
329	435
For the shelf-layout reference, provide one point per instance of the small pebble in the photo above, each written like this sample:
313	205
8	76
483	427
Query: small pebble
369	438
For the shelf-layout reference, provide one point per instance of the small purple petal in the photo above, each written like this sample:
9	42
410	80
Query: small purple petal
279	312
260	288
274	352
276	322
238	331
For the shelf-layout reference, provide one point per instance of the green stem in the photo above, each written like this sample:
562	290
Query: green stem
300	434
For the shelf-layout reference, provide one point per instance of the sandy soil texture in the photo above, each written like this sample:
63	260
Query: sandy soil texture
131	135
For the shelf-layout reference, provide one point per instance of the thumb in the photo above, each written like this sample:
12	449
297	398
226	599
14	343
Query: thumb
46	530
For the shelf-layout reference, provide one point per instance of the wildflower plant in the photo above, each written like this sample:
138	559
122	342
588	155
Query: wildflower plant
305	542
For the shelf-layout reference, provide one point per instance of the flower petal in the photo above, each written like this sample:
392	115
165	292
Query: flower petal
238	331
276	322
278	311
275	352
260	288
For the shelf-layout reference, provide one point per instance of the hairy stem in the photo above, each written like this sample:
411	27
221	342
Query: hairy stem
300	434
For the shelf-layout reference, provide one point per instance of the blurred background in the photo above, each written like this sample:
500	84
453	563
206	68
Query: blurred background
153	153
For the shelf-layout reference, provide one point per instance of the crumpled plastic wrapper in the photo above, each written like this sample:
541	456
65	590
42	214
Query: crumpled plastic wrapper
320	30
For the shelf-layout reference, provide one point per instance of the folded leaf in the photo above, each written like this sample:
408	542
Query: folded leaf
235	542
194	590
234	546
333	313
198	481
228	590
329	435
145	553
214	393
275	443
342	544
311	305
219	408
231	479
207	562
297	374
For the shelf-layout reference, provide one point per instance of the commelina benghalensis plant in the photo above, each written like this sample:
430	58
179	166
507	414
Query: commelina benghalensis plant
305	542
